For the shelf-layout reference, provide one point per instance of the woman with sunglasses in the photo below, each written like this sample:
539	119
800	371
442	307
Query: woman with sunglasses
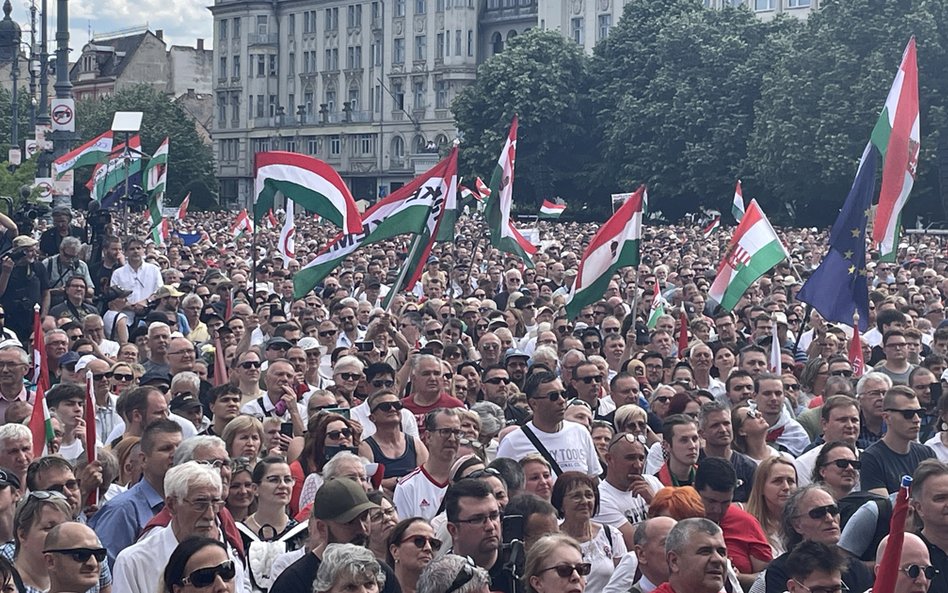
750	434
199	564
245	368
240	495
327	435
810	514
121	377
35	516
555	564
774	482
269	531
400	453
837	469
411	547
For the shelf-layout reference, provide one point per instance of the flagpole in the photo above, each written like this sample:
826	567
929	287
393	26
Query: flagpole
416	242
253	255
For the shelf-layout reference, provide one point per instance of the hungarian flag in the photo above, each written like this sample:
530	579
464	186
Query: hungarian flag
40	424
161	232
153	213
551	209
614	246
107	176
309	182
897	138
409	209
241	225
737	207
888	569
856	357
448	219
503	235
287	244
657	309
156	173
714	225
754	249
183	208
88	413
94	151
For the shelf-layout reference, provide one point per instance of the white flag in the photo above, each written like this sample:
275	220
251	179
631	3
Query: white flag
287	236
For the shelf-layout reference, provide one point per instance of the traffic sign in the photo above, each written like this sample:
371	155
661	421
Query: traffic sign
63	114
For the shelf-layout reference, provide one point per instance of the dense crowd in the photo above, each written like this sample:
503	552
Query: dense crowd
471	437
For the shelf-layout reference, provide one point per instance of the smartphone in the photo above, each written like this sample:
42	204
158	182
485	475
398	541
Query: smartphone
365	346
286	428
344	412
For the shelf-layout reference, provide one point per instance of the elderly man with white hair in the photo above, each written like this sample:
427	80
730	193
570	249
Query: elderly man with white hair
16	449
192	497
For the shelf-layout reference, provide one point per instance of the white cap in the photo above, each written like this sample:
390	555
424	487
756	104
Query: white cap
85	360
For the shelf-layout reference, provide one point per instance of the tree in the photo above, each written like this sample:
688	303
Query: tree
190	161
825	92
674	90
541	77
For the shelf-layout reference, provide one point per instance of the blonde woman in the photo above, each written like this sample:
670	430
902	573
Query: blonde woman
555	564
244	437
774	483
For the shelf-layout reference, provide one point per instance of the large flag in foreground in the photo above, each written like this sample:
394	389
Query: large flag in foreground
889	567
156	173
94	151
409	209
838	287
108	176
309	182
615	246
503	235
897	137
754	250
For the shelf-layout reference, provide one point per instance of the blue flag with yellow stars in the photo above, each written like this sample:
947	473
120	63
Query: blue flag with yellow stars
838	287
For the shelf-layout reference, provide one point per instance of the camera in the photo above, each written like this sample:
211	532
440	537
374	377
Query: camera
24	217
512	554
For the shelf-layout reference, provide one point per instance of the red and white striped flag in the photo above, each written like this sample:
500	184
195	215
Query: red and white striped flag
271	219
241	225
91	437
775	365
40	424
183	208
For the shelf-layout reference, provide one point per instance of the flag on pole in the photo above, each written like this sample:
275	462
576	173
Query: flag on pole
40	424
682	332
645	210
754	250
156	173
712	226
107	176
183	208
657	309
614	246
241	225
737	207
856	356
220	366
271	219
309	182
446	221
503	235
888	569
775	364
897	138
91	435
161	232
839	286
287	244
94	151
551	209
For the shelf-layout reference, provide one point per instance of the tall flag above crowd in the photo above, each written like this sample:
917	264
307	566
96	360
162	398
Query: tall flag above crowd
551	209
503	234
92	152
287	242
615	246
897	138
41	424
737	206
124	162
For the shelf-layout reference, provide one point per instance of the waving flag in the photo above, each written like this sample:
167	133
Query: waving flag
156	173
551	209
94	151
88	413
856	356
309	182
183	208
657	309
889	567
271	219
241	225
737	207
503	235
220	365
287	244
40	424
108	176
897	138
712	226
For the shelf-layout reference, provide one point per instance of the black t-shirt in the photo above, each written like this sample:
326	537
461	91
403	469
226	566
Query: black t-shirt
102	276
856	576
25	288
939	584
299	576
883	468
745	468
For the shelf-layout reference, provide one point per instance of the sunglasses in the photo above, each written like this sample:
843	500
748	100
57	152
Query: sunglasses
122	376
753	413
662	399
80	555
844	463
820	512
498	381
388	406
99	376
205	577
337	434
552	396
380	383
907	414
419	541
327	333
250	364
68	484
350	376
841	373
590	379
565	571
914	570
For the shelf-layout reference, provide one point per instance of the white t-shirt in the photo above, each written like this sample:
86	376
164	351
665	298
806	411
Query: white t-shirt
616	507
603	556
941	451
418	495
572	447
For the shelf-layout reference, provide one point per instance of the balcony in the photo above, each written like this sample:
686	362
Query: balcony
262	39
422	162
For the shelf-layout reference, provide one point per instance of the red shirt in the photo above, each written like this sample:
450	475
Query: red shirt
744	538
444	401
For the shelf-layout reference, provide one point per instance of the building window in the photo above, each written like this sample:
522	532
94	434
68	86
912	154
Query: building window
421	48
332	59
421	6
439	6
236	31
497	43
377	98
354	57
441	95
399	7
312	146
272	66
262	24
763	5
605	23
377	53
272	105
398	92
470	43
222	30
331	100
577	24
260	145
236	63
398	50
398	148
260	99
235	109
354	16
354	98
221	110
335	146
291	104
292	26
291	63
223	67
308	102
309	21
366	144
261	65
798	3
439	45
332	19
457	42
418	89
376	11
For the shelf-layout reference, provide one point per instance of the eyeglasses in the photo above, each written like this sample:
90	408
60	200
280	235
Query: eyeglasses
350	376
565	571
420	541
277	480
327	333
629	438
791	386
382	513
380	383
349	318
122	376
590	379
908	414
448	433
914	570
552	396
99	376
844	463
388	406
205	577
498	381
753	413
337	434
80	555
480	519
840	588
215	463
433	332
591	345
841	373
203	505
662	399
250	364
820	512
278	347
67	485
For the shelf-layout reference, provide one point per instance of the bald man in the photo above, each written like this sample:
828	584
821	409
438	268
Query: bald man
915	561
74	556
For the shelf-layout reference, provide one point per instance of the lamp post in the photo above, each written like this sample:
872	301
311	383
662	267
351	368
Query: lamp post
43	160
62	139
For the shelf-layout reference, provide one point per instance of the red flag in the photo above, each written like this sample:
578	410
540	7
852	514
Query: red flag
40	424
183	208
220	367
40	366
888	569
89	414
682	333
856	357
272	221
229	309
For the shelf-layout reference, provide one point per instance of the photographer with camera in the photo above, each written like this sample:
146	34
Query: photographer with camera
23	284
62	267
62	228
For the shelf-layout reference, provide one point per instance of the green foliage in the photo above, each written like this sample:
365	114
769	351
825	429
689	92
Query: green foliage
190	161
541	77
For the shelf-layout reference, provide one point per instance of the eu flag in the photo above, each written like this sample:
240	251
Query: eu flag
838	287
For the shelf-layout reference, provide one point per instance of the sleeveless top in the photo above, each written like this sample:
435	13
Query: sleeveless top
400	466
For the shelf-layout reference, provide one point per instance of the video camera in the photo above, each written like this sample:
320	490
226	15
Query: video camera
25	216
512	554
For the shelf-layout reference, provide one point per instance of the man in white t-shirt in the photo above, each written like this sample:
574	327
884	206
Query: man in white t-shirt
419	493
625	494
569	443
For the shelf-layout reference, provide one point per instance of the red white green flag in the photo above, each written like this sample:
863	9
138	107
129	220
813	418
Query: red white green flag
551	209
241	225
94	151
897	137
503	235
754	250
737	206
657	309
40	423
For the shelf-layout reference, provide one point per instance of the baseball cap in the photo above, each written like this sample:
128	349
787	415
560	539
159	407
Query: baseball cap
515	353
85	360
341	500
68	358
8	478
308	343
184	401
279	342
168	291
